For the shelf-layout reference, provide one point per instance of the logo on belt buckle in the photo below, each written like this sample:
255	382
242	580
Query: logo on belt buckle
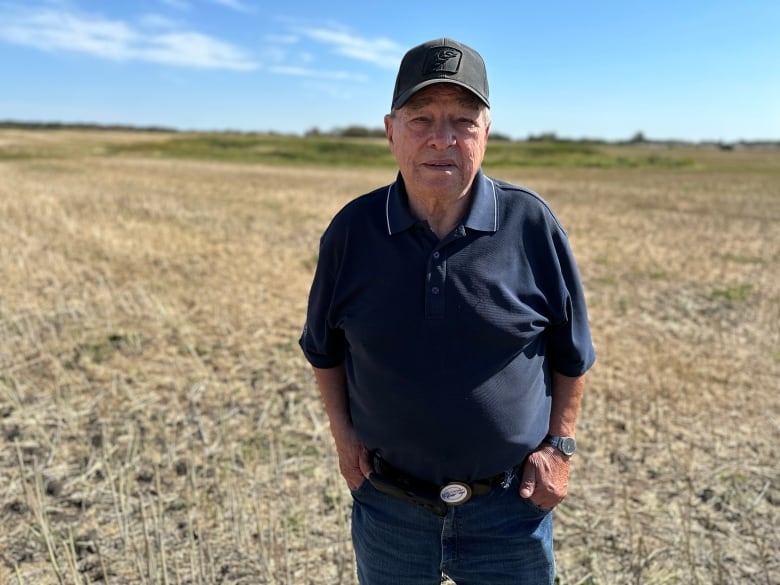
455	493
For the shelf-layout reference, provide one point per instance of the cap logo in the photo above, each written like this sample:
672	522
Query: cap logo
443	60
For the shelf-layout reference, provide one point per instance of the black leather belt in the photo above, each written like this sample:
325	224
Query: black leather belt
389	480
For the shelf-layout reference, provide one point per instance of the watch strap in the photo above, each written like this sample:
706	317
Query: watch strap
566	445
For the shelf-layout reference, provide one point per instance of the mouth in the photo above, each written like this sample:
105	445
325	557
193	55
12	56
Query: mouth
440	165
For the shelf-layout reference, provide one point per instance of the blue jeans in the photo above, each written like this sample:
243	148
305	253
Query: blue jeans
496	539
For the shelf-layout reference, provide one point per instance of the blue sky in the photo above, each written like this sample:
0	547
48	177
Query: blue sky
685	69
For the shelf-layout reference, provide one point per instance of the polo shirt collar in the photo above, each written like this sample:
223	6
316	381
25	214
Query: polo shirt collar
481	216
398	215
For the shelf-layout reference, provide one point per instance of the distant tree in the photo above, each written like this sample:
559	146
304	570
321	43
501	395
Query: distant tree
543	137
638	138
498	136
360	132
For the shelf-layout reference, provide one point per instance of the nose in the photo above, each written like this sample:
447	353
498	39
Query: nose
442	134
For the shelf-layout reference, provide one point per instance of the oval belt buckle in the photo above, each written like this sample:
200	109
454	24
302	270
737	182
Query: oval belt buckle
455	493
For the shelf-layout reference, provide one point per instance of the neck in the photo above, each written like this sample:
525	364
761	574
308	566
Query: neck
442	215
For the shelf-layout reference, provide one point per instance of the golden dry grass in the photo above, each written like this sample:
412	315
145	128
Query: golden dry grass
159	425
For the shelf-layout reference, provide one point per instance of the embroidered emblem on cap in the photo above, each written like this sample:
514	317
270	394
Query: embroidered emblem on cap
455	493
443	60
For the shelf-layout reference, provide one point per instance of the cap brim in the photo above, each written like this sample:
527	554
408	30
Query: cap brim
405	96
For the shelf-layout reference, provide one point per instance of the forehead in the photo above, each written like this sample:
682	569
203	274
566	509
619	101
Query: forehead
441	93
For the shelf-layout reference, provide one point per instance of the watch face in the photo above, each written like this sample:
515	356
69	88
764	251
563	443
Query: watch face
568	446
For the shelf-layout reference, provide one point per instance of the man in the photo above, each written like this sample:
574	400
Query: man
449	338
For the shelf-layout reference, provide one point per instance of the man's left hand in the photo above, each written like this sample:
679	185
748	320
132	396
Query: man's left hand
545	479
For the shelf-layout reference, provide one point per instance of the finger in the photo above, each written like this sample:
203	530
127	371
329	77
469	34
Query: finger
354	480
364	462
528	481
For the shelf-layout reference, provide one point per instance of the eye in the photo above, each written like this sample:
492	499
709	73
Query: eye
419	122
466	122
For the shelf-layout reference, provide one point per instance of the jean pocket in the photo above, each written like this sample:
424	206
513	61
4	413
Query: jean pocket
535	507
359	489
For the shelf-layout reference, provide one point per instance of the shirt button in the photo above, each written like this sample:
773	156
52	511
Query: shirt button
436	255
435	290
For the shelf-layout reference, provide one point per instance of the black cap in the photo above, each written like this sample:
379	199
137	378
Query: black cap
440	61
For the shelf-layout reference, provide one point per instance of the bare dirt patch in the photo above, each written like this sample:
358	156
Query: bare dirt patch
158	424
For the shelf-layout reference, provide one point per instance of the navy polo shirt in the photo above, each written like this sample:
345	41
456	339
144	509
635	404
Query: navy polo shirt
449	344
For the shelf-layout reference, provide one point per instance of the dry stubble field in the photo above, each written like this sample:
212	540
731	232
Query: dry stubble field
159	425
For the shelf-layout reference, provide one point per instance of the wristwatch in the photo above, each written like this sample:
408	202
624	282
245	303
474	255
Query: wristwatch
566	445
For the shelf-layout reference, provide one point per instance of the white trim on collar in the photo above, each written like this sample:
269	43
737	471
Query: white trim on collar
495	204
387	209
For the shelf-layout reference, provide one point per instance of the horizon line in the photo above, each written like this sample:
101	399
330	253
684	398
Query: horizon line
637	138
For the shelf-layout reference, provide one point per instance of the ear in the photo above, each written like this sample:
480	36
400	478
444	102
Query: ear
389	129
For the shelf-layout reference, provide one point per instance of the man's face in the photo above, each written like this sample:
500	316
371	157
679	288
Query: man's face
438	139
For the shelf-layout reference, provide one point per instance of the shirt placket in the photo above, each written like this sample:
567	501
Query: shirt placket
435	281
436	277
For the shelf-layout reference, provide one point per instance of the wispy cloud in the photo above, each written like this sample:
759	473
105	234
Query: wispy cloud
177	4
153	20
236	5
316	74
192	49
59	30
297	52
382	52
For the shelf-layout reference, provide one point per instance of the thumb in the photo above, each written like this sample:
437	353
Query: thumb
364	462
528	481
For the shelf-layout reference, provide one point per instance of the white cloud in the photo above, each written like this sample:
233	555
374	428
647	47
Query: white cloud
278	53
383	52
194	50
58	30
49	30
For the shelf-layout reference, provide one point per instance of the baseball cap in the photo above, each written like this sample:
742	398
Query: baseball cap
440	61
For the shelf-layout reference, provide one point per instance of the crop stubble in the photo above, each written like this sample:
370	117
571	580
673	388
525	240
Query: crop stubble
160	426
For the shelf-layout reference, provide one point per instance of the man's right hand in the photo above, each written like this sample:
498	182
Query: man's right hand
354	460
353	456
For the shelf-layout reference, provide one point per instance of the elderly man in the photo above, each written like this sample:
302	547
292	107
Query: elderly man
449	338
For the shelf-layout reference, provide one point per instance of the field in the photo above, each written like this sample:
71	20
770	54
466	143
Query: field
158	423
